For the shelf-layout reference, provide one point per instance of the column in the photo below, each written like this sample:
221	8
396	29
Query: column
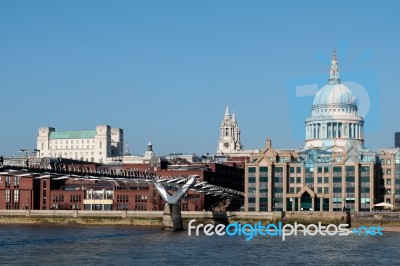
321	204
312	203
351	131
299	204
356	136
331	130
285	185
320	131
313	131
270	181
357	187
306	131
337	130
326	130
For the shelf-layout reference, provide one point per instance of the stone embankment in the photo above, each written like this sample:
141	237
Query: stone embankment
154	218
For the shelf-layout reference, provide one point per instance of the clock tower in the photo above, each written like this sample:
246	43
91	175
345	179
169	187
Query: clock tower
229	140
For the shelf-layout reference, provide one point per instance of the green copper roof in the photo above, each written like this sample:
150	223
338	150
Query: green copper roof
90	134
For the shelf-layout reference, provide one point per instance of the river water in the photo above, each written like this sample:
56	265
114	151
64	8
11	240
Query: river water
127	245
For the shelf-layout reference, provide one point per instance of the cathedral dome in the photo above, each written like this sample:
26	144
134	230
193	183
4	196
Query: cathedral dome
334	121
334	94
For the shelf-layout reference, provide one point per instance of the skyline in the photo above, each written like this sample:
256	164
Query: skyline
166	71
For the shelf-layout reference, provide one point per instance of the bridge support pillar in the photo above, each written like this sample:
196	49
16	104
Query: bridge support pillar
172	218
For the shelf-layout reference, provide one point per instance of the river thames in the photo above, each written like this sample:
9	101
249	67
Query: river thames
127	245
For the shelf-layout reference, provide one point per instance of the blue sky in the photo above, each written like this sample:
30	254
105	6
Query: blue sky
167	69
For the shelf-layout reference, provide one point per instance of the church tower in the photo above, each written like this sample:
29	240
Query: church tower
229	140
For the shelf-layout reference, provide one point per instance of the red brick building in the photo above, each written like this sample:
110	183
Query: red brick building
19	190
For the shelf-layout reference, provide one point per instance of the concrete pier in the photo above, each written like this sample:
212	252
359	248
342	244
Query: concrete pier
172	218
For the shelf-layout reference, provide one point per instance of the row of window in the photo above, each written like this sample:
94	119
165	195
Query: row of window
61	141
8	181
310	169
77	147
72	198
12	194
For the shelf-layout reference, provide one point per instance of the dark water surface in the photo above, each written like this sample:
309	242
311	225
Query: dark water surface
127	245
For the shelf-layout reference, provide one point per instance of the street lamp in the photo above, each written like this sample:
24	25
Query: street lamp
37	151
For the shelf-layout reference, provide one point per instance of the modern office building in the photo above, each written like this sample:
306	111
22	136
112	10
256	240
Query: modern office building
397	139
333	171
90	145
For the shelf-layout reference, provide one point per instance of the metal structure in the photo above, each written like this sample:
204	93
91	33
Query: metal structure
172	215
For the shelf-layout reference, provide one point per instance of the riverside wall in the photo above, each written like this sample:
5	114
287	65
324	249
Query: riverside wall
154	218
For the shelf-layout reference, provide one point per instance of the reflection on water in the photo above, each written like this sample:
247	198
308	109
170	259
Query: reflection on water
66	245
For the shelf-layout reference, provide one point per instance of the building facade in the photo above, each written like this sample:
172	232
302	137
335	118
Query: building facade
91	145
397	139
334	171
334	119
229	140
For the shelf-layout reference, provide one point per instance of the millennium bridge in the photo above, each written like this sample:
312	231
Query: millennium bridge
172	219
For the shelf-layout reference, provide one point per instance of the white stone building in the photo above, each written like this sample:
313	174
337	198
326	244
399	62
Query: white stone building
229	141
334	120
90	145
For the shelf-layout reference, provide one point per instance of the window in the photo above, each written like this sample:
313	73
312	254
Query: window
75	198
8	197
337	190
122	198
16	196
263	170
140	198
388	161
8	181
309	180
326	179
16	181
58	198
